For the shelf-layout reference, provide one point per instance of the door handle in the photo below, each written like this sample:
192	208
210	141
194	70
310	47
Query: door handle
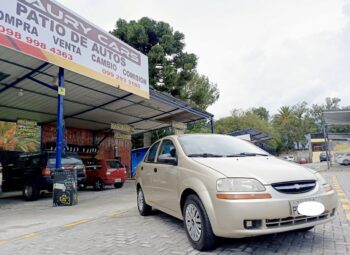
155	169
141	168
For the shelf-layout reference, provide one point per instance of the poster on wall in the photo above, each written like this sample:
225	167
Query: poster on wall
48	31
22	136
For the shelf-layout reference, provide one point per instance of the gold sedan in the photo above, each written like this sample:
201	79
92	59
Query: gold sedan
223	186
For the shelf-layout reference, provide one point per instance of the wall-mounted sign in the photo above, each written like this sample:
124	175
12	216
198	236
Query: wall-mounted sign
122	127
46	30
122	136
21	136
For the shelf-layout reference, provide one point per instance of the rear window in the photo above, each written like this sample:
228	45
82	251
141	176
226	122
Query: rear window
67	160
113	164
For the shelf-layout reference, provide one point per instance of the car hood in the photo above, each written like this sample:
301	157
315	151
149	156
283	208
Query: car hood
265	169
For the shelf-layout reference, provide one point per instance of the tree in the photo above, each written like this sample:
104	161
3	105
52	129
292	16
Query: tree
201	92
171	69
262	112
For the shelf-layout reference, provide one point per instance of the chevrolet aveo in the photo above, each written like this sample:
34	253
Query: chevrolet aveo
226	187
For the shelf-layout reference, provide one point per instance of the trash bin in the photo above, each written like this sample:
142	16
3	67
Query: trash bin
65	192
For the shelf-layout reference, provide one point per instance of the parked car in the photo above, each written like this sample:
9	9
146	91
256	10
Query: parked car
343	159
223	186
323	156
31	173
101	172
302	160
289	158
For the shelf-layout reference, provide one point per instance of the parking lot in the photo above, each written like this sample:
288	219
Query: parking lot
107	222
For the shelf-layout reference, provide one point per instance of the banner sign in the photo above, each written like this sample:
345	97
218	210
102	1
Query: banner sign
122	127
46	30
22	136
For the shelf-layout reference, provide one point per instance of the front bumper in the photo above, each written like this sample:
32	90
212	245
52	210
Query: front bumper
274	215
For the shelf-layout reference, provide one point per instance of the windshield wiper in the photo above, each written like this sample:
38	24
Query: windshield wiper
246	154
204	155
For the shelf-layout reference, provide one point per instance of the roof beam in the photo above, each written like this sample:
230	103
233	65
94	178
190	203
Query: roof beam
99	106
13	84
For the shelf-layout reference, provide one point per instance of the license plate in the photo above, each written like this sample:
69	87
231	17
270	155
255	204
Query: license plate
118	180
295	203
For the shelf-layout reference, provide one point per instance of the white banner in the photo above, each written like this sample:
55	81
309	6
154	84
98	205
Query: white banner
46	30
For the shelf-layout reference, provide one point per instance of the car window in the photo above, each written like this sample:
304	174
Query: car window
36	161
113	164
167	150
151	156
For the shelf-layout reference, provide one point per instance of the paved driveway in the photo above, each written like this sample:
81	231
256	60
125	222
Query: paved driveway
108	223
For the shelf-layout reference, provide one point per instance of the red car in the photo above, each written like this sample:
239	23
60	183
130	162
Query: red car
101	172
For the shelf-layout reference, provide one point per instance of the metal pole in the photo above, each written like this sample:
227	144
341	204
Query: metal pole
60	109
326	145
212	125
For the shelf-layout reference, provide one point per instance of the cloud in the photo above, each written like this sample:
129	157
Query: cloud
260	53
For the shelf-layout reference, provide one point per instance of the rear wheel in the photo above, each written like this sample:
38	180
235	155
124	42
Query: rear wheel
30	191
346	162
142	206
197	224
99	185
118	185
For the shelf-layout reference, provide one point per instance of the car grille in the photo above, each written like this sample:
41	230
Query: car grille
291	221
294	187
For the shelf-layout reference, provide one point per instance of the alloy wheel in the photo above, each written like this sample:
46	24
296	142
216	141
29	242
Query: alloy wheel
193	222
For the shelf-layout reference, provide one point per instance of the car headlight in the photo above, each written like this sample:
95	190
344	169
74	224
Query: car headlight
326	186
239	185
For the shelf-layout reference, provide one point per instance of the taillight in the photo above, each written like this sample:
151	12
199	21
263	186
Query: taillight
46	172
84	171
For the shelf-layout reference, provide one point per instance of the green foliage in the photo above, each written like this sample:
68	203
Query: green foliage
171	69
246	119
262	112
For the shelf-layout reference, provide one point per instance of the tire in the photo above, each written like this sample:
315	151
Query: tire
99	185
118	185
197	224
30	191
346	162
142	206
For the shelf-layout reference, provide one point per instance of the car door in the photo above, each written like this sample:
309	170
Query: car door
165	180
147	171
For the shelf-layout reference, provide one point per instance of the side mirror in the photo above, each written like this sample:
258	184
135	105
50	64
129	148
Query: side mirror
169	160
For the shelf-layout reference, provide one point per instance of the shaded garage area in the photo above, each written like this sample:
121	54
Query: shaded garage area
73	87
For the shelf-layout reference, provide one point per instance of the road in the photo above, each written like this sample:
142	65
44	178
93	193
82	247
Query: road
108	223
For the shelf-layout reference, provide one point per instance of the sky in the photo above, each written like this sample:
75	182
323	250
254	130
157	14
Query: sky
266	53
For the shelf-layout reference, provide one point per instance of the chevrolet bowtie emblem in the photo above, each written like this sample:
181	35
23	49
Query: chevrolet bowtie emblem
296	186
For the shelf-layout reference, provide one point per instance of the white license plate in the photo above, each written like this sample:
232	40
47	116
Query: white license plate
295	203
118	180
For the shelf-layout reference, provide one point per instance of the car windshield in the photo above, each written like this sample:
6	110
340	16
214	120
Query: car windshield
67	160
218	146
111	164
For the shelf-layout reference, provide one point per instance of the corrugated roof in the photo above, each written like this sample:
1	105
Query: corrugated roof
336	117
88	103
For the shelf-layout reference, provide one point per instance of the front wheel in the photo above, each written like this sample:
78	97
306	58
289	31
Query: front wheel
30	191
99	185
142	206
197	224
